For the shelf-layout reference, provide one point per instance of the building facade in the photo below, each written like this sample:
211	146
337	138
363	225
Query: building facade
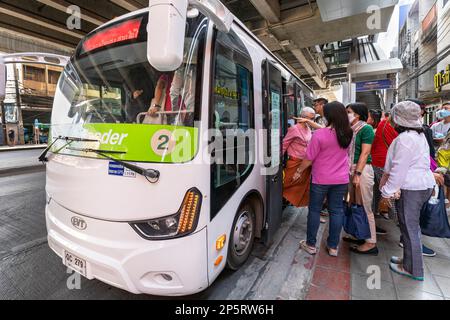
424	49
27	107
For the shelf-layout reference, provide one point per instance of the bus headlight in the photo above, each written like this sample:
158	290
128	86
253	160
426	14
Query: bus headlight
178	225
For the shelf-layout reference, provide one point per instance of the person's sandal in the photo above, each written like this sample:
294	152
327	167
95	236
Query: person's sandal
332	252
353	240
396	260
398	268
312	251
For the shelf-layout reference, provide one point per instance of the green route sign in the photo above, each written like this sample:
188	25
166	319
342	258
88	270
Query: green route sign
139	142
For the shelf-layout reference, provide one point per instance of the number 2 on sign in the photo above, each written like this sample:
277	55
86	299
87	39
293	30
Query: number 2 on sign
164	144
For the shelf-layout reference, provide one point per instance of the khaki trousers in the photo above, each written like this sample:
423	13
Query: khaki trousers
367	182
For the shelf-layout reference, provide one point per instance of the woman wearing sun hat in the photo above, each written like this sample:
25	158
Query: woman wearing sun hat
408	178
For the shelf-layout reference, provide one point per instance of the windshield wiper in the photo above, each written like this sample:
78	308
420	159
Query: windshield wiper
43	156
147	173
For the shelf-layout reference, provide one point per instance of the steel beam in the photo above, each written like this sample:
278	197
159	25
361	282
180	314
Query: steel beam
62	6
37	37
37	20
268	9
314	71
127	4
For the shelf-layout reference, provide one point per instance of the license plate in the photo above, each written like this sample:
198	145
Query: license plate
75	263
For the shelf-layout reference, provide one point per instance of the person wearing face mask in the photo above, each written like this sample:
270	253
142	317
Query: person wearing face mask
294	144
441	128
408	179
432	152
384	136
318	105
362	171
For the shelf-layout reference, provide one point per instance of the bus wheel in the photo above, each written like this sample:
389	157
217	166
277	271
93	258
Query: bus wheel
241	238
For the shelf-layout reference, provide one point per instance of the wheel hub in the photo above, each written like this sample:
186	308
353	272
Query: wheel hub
243	233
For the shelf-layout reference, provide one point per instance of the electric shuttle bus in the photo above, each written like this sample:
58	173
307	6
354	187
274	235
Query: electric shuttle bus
140	195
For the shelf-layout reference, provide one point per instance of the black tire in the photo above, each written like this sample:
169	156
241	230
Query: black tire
238	253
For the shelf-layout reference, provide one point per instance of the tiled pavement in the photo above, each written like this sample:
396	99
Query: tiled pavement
347	276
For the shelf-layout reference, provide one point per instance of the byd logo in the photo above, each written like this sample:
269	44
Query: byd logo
79	223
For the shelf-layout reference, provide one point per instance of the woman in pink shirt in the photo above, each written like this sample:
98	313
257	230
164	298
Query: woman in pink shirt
295	143
328	154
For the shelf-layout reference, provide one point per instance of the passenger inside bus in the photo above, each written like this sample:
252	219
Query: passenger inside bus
161	104
174	98
138	93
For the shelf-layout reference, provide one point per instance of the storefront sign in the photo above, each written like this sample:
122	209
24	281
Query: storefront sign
373	85
442	79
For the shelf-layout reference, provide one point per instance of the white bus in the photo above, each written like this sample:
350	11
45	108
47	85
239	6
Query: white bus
132	199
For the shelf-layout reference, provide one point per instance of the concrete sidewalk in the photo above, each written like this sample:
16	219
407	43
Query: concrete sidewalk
20	161
23	147
282	272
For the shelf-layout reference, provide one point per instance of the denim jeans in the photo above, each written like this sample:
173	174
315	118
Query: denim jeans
335	197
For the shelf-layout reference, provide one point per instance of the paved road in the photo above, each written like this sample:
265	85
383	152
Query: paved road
30	270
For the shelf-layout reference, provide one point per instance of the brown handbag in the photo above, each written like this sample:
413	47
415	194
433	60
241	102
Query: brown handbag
383	207
354	195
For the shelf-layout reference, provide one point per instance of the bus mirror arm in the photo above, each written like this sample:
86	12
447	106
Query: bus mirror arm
166	28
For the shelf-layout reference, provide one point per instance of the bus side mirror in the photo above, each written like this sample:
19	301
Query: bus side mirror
2	80
166	32
166	28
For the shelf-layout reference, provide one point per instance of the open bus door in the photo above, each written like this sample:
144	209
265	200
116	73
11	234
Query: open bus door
272	110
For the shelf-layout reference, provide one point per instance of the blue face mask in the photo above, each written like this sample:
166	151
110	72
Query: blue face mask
443	114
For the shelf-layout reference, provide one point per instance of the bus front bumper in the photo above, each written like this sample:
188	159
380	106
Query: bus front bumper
114	253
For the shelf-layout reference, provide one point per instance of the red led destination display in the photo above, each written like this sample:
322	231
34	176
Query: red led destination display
128	30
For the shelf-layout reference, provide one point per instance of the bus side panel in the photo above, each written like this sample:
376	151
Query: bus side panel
222	223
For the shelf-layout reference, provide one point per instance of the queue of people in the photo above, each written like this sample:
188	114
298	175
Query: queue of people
388	159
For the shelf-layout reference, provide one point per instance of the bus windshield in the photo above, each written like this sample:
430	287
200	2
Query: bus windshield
109	80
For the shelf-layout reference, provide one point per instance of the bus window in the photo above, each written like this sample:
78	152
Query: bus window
232	111
299	99
111	81
308	101
290	103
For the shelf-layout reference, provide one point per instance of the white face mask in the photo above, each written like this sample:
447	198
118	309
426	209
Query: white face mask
351	117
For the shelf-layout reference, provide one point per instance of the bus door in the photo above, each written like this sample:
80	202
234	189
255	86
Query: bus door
272	109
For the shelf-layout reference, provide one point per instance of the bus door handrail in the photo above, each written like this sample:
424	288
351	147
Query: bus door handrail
161	113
